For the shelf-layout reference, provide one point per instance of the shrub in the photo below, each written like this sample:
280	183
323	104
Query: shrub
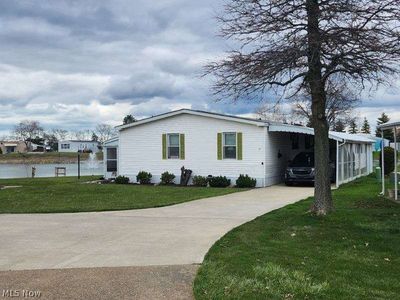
121	180
389	160
245	181
167	178
219	181
1	151
144	177
200	180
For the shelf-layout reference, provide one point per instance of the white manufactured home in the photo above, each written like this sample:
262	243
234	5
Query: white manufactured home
216	144
78	146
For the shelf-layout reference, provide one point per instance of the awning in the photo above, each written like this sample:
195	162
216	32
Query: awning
338	136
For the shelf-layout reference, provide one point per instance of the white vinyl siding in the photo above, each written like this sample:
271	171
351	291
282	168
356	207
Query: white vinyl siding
200	148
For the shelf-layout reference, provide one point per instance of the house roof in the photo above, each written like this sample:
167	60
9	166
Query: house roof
111	142
389	125
371	136
338	136
196	113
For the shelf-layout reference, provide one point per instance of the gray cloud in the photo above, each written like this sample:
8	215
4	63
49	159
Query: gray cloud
74	63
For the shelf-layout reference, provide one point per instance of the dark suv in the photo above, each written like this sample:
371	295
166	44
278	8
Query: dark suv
301	169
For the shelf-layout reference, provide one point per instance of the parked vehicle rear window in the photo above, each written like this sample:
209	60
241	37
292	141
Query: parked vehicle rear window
303	159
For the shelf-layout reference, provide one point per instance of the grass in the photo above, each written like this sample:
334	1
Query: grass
290	254
68	194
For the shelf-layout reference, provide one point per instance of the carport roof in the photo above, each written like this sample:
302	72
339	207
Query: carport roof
338	136
389	125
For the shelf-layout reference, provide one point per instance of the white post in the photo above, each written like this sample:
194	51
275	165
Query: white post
395	163
383	162
337	164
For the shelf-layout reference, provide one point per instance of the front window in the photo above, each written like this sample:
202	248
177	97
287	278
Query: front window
64	146
230	145
111	159
173	145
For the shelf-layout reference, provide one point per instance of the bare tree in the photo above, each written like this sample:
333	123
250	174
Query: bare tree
299	45
53	136
27	131
83	135
104	132
273	113
59	134
340	103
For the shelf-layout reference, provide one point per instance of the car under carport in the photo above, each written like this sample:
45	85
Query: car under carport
351	153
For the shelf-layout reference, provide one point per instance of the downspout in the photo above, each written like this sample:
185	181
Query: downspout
395	163
338	145
265	155
337	164
383	162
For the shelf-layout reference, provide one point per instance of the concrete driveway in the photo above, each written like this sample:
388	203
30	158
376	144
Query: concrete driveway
173	235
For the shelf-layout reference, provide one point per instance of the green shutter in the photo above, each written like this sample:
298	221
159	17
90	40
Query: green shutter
239	137
219	145
182	146
164	146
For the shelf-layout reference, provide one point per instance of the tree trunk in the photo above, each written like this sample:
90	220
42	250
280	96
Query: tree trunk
323	203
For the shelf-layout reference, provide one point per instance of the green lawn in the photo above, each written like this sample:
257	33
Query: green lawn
354	253
68	194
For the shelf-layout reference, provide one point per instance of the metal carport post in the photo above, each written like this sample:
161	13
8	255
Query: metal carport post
382	127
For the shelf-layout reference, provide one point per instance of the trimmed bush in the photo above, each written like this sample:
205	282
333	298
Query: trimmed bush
389	160
167	178
200	180
144	177
219	181
121	180
245	181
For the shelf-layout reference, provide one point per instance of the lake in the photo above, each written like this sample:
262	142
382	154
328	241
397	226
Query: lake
47	170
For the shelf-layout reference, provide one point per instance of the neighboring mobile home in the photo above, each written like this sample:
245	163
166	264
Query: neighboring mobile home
78	146
216	144
13	146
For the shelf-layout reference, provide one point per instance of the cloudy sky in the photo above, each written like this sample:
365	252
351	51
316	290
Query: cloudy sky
74	64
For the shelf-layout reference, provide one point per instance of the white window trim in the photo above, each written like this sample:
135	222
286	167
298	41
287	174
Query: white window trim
223	145
179	146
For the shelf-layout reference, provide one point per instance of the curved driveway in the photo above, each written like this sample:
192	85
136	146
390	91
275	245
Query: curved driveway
172	235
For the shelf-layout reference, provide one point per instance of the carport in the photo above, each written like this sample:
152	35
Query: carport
352	153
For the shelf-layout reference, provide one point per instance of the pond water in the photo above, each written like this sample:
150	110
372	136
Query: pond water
48	170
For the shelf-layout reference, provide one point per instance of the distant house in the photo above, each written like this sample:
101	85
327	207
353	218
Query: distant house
78	146
13	146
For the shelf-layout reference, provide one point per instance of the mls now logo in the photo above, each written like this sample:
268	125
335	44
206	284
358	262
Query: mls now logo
21	293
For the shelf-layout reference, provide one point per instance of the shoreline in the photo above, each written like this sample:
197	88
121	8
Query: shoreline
45	158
